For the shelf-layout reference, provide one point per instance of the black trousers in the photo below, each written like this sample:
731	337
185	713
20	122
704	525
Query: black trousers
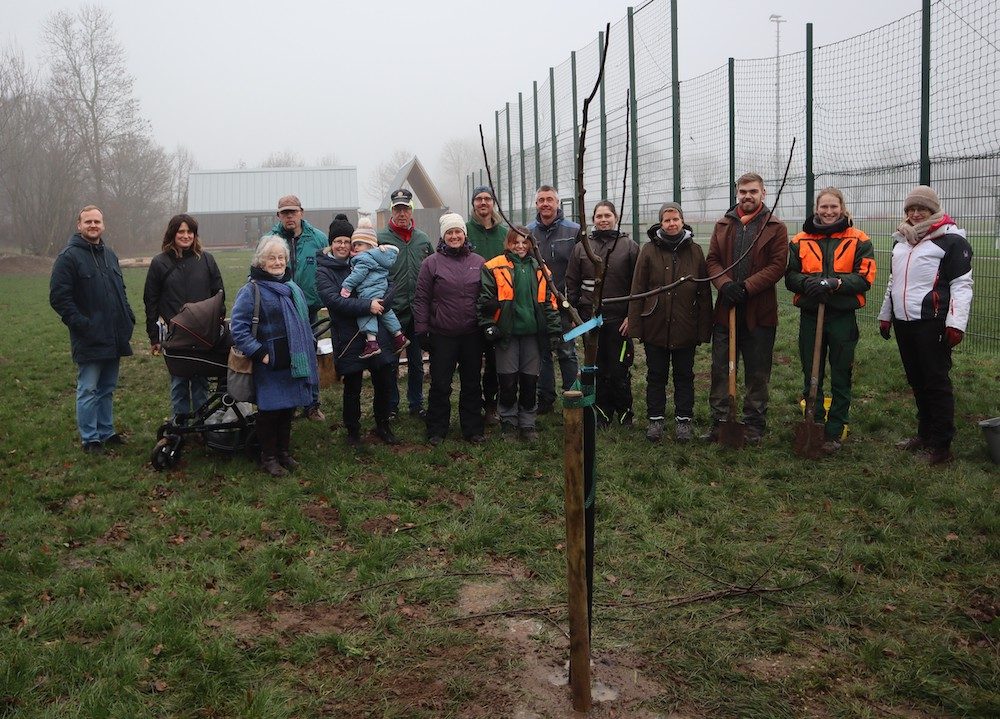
466	353
383	379
274	431
658	362
927	362
613	385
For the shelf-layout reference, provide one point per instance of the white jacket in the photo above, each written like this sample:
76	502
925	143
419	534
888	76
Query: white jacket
932	279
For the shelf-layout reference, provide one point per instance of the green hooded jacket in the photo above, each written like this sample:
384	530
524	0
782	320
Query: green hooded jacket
303	251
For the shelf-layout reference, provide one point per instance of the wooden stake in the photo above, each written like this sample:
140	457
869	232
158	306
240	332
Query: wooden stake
576	565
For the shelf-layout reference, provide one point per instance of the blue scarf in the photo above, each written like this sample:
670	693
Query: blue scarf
295	315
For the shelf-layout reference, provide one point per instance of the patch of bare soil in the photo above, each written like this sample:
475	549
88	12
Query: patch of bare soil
322	514
287	622
444	496
535	683
381	526
25	265
777	667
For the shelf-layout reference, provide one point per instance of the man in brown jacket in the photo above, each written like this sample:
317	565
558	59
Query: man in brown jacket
749	286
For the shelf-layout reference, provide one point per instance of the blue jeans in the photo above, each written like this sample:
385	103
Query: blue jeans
414	374
95	384
187	394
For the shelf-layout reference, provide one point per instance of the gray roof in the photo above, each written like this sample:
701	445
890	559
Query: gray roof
258	189
413	175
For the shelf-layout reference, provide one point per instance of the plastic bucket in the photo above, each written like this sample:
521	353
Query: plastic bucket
991	432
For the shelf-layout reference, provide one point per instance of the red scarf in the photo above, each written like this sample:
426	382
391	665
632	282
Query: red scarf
405	233
745	218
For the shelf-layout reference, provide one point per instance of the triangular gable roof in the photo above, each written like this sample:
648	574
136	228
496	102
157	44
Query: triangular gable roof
414	175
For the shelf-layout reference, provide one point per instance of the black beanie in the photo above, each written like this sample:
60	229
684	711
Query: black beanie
340	227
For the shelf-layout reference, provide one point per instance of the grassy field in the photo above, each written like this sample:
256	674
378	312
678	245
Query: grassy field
352	588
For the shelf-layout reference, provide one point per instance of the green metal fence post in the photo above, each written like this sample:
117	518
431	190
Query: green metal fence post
925	94
604	128
576	133
732	132
675	100
496	188
552	113
520	123
510	165
538	147
635	126
810	178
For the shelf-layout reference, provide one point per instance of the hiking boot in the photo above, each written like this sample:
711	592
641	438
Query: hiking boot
271	465
353	439
683	432
314	413
384	432
529	434
371	349
116	439
910	444
938	455
435	440
626	418
654	432
831	445
399	343
287	461
418	412
93	448
711	435
754	435
507	430
476	439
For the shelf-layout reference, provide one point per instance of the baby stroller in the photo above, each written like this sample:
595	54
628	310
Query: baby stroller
197	343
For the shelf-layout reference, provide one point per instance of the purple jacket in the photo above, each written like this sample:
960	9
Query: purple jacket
447	288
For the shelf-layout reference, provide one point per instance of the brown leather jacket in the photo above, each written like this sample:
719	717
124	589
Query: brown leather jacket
768	260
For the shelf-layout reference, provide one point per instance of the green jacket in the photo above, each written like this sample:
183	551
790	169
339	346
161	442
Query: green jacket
303	251
403	274
497	304
486	243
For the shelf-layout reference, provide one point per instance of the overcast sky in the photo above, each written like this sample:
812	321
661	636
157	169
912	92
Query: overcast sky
236	81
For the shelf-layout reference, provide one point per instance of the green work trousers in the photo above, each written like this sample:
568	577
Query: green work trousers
840	338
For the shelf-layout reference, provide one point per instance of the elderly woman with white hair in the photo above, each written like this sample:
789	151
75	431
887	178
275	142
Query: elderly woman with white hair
281	346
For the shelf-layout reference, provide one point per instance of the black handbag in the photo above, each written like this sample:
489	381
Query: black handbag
239	375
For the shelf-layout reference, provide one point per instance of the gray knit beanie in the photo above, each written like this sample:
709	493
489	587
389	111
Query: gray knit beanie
671	206
923	196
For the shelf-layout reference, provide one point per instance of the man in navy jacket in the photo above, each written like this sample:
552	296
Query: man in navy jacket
87	291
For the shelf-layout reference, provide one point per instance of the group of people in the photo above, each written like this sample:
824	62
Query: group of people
487	301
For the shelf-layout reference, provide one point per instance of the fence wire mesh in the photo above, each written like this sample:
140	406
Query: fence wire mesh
866	109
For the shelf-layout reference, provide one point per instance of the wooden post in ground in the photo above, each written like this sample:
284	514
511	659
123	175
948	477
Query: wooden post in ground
576	566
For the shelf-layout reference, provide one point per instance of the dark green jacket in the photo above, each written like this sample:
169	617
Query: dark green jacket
403	274
303	251
497	303
486	243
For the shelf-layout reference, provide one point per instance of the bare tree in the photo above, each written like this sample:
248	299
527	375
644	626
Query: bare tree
378	185
140	185
91	88
285	158
328	160
459	157
183	163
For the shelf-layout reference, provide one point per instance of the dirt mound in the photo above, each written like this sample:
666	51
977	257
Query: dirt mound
25	265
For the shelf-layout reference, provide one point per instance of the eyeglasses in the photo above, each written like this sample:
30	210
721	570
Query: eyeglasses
341	241
274	258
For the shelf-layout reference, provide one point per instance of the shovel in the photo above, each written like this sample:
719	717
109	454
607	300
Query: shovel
809	435
732	433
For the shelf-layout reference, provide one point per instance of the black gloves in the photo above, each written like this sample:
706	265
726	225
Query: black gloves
555	342
733	293
491	333
814	288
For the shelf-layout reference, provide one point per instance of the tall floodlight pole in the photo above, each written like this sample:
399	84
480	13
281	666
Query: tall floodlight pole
777	20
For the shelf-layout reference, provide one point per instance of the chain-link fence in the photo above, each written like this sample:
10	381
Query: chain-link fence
874	132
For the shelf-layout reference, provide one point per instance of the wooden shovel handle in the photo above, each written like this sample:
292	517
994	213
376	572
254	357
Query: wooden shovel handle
814	377
732	351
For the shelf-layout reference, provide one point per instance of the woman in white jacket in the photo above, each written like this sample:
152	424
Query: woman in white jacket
927	302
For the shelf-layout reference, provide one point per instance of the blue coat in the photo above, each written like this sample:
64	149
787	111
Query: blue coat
88	292
344	311
276	388
369	277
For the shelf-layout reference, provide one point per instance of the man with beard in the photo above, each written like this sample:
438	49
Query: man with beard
757	242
